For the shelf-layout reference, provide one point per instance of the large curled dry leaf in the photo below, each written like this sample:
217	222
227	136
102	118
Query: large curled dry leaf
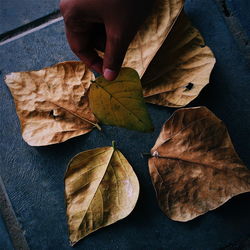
120	102
152	34
100	189
182	57
180	69
194	167
51	103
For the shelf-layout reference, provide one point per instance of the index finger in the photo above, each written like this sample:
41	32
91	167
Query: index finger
80	41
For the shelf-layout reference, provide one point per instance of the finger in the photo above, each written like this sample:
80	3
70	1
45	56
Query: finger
116	47
81	44
99	37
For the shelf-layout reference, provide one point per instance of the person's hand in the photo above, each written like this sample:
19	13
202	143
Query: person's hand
106	25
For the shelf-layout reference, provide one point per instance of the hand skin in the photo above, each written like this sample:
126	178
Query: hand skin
106	25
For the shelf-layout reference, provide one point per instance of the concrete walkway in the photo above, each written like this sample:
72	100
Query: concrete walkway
31	37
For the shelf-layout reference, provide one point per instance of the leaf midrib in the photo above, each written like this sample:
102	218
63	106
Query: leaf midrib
76	115
69	111
172	136
97	187
112	96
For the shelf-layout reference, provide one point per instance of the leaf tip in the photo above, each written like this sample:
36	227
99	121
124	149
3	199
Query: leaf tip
7	78
74	240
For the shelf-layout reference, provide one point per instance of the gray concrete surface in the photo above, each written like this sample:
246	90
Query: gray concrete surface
34	176
16	13
11	232
5	242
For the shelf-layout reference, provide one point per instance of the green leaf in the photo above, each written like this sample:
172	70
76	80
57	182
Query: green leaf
120	102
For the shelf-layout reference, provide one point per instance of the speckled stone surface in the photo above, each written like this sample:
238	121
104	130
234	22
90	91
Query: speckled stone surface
240	10
33	176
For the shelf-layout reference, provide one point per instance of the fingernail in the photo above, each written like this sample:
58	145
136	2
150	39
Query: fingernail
110	75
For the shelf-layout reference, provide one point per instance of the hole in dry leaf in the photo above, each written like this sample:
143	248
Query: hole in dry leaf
54	114
51	114
189	86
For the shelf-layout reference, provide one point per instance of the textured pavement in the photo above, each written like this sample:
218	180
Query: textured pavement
5	241
33	176
16	13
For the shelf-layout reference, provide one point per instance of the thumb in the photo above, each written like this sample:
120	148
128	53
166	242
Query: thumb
116	48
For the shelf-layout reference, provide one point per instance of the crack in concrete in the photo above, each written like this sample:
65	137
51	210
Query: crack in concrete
224	6
11	222
31	27
236	29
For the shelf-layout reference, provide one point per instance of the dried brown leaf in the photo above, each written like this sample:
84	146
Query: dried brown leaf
181	67
51	103
152	34
194	167
100	189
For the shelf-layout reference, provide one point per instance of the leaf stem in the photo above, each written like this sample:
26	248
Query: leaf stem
148	155
114	144
98	126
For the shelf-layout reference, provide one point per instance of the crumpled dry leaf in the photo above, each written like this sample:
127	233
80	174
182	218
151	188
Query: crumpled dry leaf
194	167
181	67
120	102
51	103
100	189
